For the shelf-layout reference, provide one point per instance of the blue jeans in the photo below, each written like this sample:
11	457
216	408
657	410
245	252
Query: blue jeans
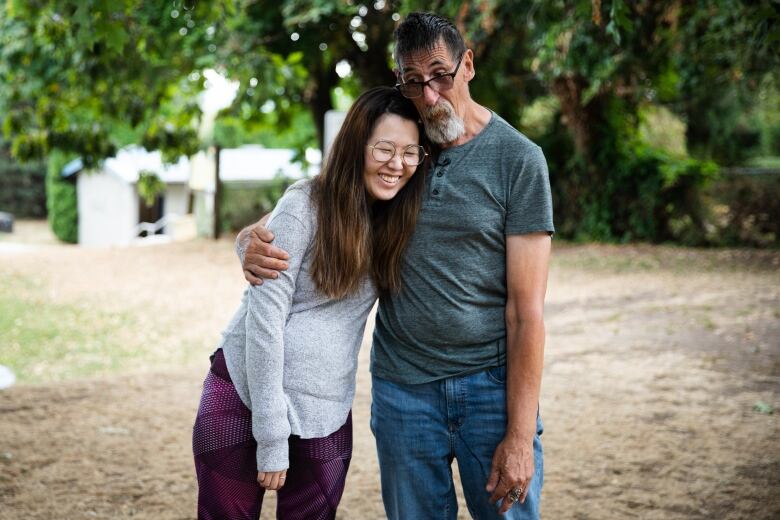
419	429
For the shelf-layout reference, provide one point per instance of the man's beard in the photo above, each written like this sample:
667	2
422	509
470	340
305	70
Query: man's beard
442	124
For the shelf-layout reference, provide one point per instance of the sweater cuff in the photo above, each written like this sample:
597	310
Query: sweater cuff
273	456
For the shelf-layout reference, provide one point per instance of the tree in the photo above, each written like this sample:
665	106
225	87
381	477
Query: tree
288	55
731	49
85	76
603	61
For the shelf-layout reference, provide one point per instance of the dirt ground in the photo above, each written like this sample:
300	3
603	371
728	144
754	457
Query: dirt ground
656	359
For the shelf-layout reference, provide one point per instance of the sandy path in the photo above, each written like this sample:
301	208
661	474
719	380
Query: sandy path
655	360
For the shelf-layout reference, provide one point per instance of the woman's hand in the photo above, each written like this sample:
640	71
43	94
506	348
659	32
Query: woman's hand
272	480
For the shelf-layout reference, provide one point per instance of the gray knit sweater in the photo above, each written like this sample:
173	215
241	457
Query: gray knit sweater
290	350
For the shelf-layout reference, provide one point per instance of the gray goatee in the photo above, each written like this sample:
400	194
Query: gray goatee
442	124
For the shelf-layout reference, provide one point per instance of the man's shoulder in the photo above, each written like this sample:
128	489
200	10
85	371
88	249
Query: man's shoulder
509	135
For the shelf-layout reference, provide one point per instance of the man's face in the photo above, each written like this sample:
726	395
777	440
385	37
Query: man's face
442	111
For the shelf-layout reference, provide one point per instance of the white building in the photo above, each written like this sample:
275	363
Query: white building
112	213
110	210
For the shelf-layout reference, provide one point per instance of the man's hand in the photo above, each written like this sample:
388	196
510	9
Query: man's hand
513	468
261	260
272	480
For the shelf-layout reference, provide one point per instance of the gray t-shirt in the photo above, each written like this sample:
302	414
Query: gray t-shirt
290	350
448	318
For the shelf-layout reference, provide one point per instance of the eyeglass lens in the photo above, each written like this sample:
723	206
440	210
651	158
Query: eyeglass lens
439	83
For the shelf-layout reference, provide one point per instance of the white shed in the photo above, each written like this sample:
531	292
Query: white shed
109	208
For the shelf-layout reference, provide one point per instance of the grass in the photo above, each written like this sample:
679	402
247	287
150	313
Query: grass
47	337
43	341
641	257
709	324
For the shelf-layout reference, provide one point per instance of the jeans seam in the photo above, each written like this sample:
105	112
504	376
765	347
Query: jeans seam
463	399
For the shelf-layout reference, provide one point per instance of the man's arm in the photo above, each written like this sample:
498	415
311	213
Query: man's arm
259	259
527	266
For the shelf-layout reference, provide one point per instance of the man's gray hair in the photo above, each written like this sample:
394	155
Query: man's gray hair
422	32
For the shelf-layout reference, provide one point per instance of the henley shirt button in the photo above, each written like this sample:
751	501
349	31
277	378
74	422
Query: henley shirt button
435	192
446	161
439	174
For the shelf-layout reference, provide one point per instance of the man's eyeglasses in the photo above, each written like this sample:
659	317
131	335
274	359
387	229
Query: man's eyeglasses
440	82
384	151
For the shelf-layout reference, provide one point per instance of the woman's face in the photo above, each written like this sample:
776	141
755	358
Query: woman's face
385	177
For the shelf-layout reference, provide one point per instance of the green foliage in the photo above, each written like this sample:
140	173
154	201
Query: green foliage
730	47
242	204
22	186
764	117
298	134
287	56
619	170
765	162
89	76
661	129
744	210
73	74
149	187
61	201
630	191
674	203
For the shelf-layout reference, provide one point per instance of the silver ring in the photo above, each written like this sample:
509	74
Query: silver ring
514	495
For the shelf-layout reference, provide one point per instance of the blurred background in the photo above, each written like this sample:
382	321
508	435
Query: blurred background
138	137
660	120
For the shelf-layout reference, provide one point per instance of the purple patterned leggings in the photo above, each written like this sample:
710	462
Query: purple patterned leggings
224	452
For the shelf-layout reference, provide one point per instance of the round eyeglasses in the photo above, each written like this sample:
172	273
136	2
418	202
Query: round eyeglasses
384	151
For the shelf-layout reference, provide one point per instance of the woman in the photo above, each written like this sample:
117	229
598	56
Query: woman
275	409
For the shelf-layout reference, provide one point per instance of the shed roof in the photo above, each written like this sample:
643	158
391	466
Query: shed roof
131	161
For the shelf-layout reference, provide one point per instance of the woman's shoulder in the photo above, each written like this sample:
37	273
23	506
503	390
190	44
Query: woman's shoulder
297	202
297	197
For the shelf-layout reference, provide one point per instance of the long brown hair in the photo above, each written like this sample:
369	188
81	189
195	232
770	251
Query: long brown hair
354	238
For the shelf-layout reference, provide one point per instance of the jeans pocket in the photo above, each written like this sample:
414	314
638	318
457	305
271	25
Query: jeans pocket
497	374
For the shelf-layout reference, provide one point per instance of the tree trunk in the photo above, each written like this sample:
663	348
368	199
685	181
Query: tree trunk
568	90
319	101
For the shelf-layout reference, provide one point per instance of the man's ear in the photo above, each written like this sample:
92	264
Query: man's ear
468	65
398	77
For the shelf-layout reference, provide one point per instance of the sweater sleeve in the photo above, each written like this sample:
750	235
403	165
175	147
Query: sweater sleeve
268	307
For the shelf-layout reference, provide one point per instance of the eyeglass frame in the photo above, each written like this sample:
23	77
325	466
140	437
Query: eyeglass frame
424	84
395	152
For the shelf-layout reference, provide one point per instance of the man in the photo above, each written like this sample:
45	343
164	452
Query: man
457	354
